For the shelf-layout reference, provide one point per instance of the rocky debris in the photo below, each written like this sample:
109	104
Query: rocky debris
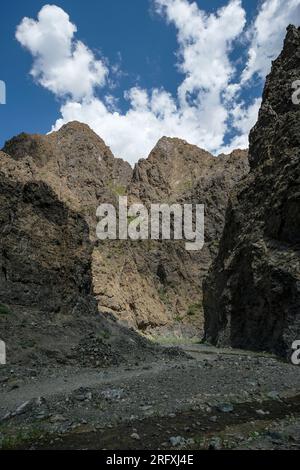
252	294
215	443
115	403
113	394
180	442
177	441
262	412
82	394
225	408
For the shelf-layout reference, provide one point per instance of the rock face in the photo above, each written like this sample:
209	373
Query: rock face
158	285
45	250
68	174
252	294
48	312
45	262
76	163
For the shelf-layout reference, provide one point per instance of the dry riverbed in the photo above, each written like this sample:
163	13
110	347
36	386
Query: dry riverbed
207	399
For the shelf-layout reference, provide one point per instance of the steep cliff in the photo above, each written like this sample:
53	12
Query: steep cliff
48	312
252	294
145	284
152	284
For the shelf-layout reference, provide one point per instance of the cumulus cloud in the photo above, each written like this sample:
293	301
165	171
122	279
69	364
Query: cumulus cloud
267	34
208	104
61	64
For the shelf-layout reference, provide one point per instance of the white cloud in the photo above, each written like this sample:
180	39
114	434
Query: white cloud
207	104
267	34
243	119
61	64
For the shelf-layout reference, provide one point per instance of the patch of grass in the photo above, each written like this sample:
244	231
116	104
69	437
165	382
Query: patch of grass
178	318
163	295
193	310
104	335
117	189
171	340
4	310
186	186
20	438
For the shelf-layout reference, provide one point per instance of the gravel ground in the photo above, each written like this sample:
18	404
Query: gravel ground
211	399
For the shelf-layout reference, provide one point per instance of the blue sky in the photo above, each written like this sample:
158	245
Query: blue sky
143	45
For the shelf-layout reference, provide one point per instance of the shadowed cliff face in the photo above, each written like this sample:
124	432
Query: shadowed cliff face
45	264
145	284
48	311
252	294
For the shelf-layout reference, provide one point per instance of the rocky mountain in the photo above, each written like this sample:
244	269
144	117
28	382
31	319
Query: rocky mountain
50	256
158	285
48	312
252	294
76	163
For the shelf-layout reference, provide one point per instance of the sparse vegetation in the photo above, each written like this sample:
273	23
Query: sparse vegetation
4	310
16	439
171	340
117	189
104	335
178	318
162	294
194	309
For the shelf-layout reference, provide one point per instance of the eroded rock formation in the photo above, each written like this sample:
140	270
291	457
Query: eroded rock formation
159	284
252	294
145	284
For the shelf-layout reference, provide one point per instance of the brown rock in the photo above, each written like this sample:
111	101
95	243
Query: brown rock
145	284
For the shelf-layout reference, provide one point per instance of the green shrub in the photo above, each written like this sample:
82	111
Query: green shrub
194	309
163	294
117	190
4	310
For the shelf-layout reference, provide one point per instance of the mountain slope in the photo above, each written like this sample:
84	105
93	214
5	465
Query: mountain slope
145	284
158	284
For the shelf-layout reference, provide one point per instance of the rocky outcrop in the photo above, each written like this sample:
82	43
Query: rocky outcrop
48	311
76	163
45	260
145	284
252	294
158	285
